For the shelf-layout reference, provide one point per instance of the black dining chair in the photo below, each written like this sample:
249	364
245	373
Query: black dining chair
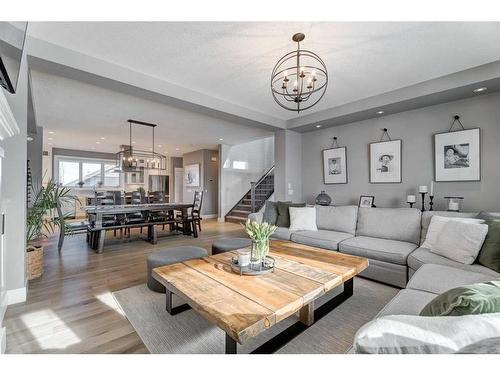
136	197
195	214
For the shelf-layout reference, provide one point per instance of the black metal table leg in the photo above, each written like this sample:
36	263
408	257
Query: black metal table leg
231	345
174	310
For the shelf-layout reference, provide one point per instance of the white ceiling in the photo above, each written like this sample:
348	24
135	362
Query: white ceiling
80	114
233	61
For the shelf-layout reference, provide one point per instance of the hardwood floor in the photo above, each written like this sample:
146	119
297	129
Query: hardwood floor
70	308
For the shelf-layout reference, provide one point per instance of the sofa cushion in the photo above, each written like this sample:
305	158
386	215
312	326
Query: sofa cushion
434	278
400	224
489	256
270	214
326	239
423	256
398	334
427	216
282	233
390	251
407	302
475	299
283	213
337	218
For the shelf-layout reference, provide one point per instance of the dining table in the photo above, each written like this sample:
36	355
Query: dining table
95	214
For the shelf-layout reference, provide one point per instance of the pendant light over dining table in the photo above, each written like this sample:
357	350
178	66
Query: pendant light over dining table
299	79
129	159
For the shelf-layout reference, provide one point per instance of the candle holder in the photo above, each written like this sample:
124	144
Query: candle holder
423	201
431	203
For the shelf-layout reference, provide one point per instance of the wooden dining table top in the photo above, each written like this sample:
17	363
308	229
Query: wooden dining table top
119	208
244	306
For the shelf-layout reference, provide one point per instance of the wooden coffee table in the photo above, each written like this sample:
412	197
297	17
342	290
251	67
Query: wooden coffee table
245	306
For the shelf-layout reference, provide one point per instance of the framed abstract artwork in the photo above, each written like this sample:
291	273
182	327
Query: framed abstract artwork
457	155
192	175
385	162
335	165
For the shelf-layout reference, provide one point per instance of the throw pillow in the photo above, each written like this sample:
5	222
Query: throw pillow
460	241
302	218
270	212
489	256
283	214
436	225
481	298
488	215
401	334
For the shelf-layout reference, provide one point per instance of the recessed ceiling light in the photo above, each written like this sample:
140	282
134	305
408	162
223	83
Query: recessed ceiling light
318	126
50	139
103	138
160	146
51	132
221	139
98	143
380	112
177	149
480	89
50	144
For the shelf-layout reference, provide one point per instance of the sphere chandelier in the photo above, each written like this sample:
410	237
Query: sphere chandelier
299	78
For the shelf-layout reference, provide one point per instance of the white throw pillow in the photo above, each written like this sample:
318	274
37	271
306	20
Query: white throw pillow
436	226
460	241
400	334
302	218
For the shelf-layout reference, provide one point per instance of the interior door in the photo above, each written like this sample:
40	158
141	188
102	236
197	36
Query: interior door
178	184
3	288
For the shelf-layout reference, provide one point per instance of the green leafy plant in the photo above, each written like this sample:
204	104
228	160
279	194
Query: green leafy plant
44	214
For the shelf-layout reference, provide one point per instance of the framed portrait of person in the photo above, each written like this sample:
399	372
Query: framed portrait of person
457	155
335	165
366	201
385	162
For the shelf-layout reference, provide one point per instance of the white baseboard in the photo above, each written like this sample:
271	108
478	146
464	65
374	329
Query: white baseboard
211	216
3	340
221	219
16	296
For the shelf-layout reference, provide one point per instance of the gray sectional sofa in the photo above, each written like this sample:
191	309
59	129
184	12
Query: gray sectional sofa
389	237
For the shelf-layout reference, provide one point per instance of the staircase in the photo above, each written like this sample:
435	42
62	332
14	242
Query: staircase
260	191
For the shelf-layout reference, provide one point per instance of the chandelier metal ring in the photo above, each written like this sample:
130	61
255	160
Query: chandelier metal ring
299	77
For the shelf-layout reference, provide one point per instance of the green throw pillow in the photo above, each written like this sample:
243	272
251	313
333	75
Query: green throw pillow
283	213
481	298
271	212
489	256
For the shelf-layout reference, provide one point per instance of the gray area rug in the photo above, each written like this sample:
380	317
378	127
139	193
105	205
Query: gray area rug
189	333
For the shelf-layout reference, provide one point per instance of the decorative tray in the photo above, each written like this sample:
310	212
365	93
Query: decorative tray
267	266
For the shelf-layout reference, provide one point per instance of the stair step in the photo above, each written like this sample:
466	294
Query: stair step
236	219
240	212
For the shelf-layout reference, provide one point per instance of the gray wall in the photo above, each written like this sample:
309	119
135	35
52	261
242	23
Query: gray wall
416	129
34	154
175	162
14	185
208	179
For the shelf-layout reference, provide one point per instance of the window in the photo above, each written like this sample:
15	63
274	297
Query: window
86	173
240	164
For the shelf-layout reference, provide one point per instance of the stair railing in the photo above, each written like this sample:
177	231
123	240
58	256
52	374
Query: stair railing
252	195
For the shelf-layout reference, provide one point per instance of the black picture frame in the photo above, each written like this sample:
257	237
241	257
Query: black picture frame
344	148
480	156
367	196
370	177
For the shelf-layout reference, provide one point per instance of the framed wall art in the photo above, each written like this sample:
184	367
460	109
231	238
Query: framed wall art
457	155
192	175
335	165
385	162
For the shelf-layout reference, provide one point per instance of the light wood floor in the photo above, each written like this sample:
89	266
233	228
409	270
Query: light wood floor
70	309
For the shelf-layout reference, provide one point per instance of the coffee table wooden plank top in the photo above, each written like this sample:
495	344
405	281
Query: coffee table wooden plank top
244	306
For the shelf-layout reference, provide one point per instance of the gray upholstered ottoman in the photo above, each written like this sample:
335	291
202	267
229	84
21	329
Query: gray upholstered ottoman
228	244
170	256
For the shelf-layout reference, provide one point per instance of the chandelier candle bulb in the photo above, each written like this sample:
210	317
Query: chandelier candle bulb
422	189
411	199
432	188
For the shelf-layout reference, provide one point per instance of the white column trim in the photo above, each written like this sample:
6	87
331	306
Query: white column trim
8	123
3	340
16	296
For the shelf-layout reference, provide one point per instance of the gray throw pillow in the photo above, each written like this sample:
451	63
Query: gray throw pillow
271	212
483	215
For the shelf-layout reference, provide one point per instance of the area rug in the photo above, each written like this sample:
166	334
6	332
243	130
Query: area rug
190	333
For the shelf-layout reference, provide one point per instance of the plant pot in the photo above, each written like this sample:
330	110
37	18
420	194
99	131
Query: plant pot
34	255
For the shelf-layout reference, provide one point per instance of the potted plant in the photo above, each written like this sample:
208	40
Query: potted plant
43	217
